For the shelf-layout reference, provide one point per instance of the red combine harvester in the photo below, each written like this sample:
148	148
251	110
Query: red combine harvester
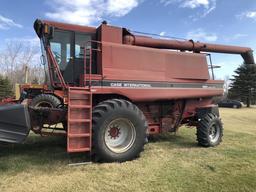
110	89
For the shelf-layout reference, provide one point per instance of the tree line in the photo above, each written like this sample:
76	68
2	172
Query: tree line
19	63
243	85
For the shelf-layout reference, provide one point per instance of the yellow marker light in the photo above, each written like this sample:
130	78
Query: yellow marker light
46	29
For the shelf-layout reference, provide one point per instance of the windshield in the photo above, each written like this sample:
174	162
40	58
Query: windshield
68	49
44	63
60	46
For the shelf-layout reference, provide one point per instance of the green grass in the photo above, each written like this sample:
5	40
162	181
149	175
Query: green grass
170	163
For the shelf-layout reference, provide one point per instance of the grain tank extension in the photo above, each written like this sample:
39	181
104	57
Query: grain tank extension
107	90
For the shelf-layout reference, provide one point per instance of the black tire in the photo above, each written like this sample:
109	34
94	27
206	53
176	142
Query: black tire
209	130
45	100
235	107
50	101
111	111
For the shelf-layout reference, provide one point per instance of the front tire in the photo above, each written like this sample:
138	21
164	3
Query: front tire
209	130
45	100
48	101
119	131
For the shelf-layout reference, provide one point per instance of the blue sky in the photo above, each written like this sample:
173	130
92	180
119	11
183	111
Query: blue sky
215	21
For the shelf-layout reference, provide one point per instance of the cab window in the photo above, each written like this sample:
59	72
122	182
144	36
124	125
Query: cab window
68	48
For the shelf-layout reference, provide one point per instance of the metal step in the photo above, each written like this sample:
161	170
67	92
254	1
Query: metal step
79	120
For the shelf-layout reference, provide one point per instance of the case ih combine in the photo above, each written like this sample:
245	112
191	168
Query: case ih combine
110	89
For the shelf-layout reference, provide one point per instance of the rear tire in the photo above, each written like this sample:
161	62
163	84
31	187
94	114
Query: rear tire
209	130
119	131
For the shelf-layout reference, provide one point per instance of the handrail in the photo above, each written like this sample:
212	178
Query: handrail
54	65
56	68
90	60
211	66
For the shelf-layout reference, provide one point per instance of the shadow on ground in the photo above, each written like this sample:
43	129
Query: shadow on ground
50	152
174	140
36	151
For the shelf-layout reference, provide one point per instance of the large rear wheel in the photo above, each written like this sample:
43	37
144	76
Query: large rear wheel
119	131
209	130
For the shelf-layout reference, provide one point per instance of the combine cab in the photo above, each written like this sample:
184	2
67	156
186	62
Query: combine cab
109	89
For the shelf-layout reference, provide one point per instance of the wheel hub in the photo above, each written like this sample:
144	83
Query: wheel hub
114	132
214	133
120	135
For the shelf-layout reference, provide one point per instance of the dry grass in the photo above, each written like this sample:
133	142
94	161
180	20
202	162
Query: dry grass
171	163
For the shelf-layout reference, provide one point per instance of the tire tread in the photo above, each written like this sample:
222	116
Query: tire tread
111	105
203	129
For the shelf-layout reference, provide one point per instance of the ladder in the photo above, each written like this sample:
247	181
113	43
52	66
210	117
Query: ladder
79	130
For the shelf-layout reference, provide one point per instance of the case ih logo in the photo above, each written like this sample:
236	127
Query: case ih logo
134	85
162	85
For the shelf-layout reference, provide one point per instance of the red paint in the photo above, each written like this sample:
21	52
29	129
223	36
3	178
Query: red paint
153	94
122	56
70	27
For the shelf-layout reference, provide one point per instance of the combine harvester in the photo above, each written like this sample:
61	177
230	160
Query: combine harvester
111	89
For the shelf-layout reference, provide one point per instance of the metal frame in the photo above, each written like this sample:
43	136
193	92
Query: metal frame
55	68
90	60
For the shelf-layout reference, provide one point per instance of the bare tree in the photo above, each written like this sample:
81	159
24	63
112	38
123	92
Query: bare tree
19	57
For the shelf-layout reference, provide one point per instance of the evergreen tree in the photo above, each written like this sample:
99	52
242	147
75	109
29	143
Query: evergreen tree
243	86
5	87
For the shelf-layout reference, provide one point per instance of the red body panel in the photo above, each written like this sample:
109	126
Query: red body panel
143	65
156	94
70	27
124	62
112	34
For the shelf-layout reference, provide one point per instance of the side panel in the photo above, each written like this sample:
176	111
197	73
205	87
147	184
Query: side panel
111	34
125	62
168	116
157	94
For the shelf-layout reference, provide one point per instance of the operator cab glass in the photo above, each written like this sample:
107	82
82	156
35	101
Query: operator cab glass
68	48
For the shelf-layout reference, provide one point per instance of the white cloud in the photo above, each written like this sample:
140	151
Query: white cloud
162	33
251	14
168	2
196	3
236	37
86	12
6	23
239	35
120	8
201	35
207	5
248	14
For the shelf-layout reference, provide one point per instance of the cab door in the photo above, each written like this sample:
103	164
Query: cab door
69	49
62	46
81	54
